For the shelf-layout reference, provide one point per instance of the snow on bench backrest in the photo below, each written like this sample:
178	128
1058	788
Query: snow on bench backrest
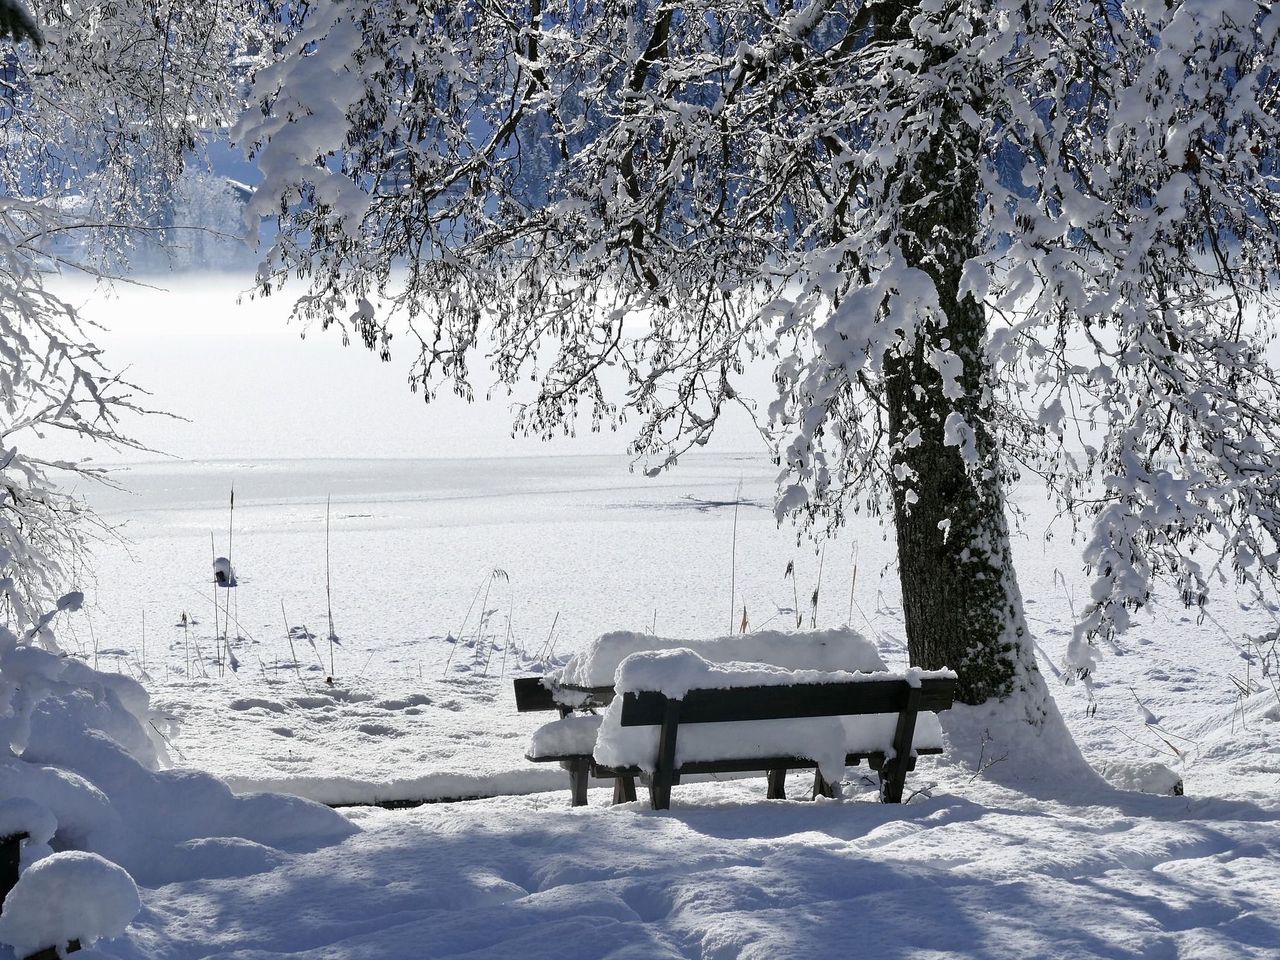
674	673
840	649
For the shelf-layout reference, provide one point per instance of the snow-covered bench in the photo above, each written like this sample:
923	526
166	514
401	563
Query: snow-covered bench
586	684
676	713
827	715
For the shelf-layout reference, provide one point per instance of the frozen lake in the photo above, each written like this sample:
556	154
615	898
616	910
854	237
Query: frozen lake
584	546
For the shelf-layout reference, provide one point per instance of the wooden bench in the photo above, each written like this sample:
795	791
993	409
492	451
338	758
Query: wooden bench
533	694
796	701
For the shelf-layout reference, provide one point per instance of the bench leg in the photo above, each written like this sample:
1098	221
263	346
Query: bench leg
665	773
579	771
659	795
10	857
893	773
893	779
777	784
624	789
822	787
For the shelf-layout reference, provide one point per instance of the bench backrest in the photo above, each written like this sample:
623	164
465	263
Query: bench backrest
535	693
645	708
650	708
532	695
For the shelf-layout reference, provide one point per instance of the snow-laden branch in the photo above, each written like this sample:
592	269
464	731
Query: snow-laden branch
670	190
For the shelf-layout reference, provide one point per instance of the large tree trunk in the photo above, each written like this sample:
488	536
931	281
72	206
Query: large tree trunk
959	592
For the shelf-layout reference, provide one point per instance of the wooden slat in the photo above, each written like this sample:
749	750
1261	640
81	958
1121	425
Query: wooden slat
537	693
532	695
646	708
587	696
741	765
52	953
558	757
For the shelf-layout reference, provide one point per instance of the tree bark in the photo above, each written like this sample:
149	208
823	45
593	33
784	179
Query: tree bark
961	601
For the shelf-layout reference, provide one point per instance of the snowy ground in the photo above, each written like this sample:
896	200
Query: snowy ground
975	872
972	868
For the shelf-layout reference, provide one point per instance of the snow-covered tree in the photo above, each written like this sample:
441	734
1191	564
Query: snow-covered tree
974	237
95	116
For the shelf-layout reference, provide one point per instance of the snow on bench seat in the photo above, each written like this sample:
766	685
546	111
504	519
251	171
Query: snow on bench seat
570	736
823	650
825	740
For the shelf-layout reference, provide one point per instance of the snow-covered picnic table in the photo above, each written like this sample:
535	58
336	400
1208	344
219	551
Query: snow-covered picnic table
765	701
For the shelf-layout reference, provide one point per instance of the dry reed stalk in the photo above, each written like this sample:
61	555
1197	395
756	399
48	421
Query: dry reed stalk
545	652
288	635
733	556
853	583
817	587
328	584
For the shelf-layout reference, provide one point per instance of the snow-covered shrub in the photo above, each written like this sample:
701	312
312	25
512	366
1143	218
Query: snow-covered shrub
115	705
65	897
81	769
18	815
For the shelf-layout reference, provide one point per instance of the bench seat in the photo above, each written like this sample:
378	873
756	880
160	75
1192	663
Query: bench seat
571	741
776	767
863	736
572	736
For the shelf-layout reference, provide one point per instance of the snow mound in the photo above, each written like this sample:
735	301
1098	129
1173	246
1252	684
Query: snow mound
67	896
112	703
1142	776
1022	743
107	802
827	650
1236	745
